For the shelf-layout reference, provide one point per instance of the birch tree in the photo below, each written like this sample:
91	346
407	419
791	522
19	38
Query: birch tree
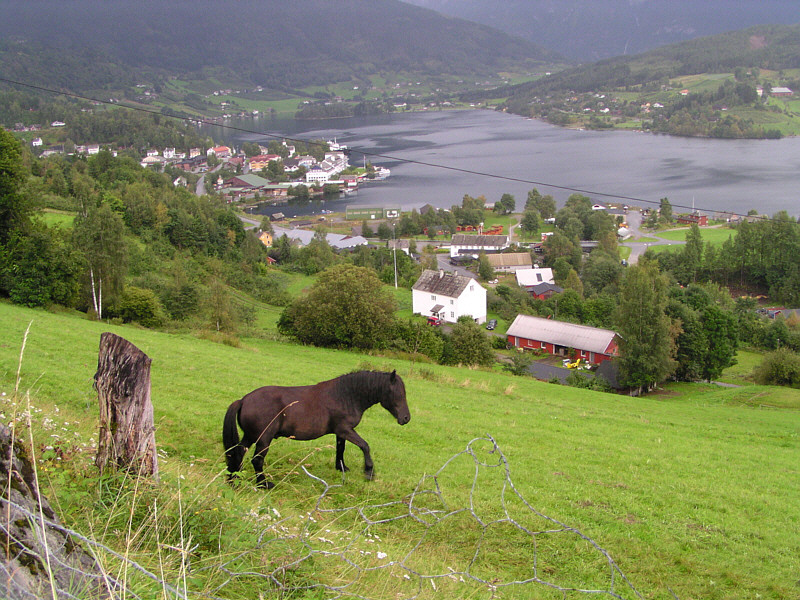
99	236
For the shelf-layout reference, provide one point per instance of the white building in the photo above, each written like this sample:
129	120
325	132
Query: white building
448	296
535	276
318	175
475	244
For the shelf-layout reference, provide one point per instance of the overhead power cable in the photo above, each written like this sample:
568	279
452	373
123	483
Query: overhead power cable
369	154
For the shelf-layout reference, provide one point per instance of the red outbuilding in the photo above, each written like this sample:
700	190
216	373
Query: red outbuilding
592	344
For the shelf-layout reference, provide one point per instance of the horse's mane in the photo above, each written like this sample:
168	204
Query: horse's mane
365	387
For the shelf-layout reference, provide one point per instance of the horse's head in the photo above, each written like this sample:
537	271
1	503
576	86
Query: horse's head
394	400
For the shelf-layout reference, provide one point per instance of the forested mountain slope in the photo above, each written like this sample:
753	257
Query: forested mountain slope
86	45
773	47
590	30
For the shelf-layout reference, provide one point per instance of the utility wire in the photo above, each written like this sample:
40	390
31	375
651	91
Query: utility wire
630	199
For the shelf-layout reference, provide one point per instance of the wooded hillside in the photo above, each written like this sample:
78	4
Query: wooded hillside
309	42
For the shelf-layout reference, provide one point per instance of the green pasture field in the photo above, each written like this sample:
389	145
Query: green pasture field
57	218
693	492
657	248
492	219
741	372
716	236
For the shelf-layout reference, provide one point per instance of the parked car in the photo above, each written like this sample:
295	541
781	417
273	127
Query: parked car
491	324
435	321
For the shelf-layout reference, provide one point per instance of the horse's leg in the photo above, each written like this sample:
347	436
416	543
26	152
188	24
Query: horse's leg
262	447
353	437
340	466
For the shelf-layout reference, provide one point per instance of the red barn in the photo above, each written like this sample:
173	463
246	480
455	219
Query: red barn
701	220
592	344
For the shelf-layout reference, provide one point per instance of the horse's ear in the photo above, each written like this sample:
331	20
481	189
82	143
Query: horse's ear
393	376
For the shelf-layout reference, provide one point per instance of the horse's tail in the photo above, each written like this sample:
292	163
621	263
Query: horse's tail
230	438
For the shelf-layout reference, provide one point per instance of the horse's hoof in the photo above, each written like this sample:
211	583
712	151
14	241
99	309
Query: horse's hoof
369	475
265	485
342	467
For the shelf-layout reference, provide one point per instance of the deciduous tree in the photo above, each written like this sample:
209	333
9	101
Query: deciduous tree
485	270
99	236
14	208
647	347
546	205
531	221
468	345
720	331
346	307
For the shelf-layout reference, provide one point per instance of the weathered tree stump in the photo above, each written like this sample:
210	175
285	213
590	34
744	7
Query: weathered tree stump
127	434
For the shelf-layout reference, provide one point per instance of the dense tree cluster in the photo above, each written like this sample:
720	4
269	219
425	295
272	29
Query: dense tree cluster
87	123
703	114
139	248
759	255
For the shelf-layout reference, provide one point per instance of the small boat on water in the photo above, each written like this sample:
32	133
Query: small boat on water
382	172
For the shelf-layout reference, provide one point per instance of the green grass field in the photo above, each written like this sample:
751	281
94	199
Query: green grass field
714	235
693	491
58	218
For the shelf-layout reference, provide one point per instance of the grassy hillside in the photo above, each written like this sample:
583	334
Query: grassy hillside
694	491
702	87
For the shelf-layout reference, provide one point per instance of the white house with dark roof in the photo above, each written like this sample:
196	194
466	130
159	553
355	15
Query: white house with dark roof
462	243
534	276
592	344
448	296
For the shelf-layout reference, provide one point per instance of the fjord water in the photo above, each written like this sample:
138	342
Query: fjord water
492	153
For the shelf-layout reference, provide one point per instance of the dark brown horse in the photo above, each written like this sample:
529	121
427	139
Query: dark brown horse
307	412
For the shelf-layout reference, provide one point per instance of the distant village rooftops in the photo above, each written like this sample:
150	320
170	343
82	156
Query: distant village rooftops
303	237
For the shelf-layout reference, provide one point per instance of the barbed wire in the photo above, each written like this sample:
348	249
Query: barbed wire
444	537
73	579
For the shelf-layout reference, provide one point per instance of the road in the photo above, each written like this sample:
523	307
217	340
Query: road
634	220
200	189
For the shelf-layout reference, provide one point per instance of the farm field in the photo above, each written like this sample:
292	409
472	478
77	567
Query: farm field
713	235
693	491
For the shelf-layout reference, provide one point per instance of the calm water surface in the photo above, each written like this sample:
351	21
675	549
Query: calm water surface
513	155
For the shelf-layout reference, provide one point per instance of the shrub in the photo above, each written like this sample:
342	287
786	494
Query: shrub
141	306
781	367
